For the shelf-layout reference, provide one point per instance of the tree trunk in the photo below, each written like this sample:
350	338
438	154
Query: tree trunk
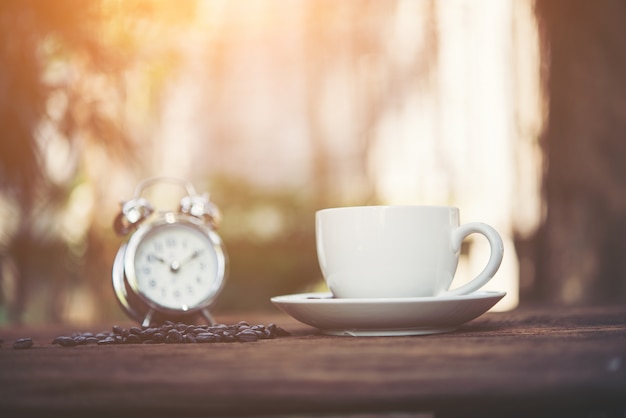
581	246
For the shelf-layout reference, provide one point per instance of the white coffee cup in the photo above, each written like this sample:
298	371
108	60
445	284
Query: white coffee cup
397	251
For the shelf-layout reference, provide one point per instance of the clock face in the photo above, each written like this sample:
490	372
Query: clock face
176	266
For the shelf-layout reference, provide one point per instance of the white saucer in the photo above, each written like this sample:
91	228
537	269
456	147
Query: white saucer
386	316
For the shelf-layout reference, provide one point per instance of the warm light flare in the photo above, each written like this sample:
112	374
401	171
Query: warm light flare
281	108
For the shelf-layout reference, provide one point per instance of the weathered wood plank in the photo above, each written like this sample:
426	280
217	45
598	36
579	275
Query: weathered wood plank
524	361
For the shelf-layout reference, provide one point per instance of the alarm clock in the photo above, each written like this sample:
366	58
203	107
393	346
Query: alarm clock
173	264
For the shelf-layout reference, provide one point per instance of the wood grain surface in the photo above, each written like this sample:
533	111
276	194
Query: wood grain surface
540	362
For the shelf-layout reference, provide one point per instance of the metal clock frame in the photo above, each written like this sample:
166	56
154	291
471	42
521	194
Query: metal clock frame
134	302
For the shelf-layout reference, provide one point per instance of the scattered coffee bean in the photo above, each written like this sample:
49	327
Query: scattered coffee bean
80	340
173	336
278	331
68	342
23	343
132	339
175	333
247	336
107	341
207	337
147	333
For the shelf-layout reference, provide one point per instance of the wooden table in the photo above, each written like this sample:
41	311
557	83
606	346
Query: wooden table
529	362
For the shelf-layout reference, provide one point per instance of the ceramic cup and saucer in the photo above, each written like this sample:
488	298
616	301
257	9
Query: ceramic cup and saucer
389	270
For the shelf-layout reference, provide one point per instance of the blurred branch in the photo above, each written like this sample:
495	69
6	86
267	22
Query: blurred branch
64	78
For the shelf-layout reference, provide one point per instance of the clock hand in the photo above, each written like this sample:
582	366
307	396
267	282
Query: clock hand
158	258
176	265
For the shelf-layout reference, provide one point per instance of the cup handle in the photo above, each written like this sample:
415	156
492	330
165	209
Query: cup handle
495	258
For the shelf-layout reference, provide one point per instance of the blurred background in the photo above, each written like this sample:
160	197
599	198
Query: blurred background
512	110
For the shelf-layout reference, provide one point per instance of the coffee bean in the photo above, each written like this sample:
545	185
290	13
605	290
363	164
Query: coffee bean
23	343
147	333
173	331
80	340
173	336
247	336
188	329
70	343
278	331
107	341
199	329
166	328
132	339
117	330
208	337
64	341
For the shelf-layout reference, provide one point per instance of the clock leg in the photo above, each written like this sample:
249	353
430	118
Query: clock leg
147	319
207	315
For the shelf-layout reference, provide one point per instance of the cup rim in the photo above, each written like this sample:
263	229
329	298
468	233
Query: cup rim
379	207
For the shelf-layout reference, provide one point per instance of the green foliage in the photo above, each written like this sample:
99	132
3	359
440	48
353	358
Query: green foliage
270	238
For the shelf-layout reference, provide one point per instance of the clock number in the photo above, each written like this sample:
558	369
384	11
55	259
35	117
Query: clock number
174	267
